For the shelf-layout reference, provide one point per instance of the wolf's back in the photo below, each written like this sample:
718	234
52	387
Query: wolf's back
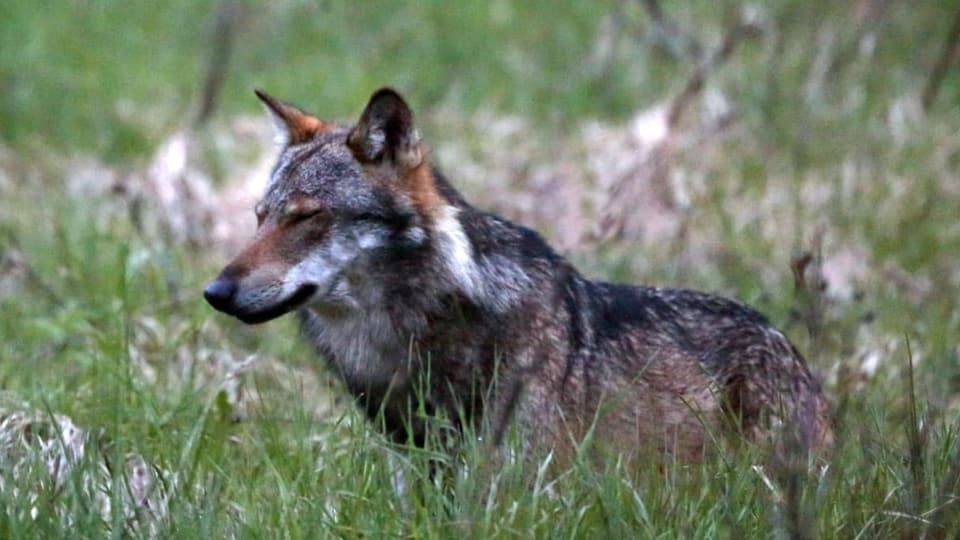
758	378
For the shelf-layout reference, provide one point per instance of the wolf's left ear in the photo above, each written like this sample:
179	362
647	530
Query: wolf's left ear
293	126
385	132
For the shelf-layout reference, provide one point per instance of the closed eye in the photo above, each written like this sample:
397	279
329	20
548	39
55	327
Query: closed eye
300	216
297	212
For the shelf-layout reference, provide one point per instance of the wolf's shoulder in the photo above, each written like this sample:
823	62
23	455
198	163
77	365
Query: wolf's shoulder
491	233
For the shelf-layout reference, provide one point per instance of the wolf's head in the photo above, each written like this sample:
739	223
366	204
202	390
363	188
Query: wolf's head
341	205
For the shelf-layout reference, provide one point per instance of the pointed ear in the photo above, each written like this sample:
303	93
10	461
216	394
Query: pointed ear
385	132
292	125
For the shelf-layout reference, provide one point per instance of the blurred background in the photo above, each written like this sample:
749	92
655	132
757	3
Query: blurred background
799	156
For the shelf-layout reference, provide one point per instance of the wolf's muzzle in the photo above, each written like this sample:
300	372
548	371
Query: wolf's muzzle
221	293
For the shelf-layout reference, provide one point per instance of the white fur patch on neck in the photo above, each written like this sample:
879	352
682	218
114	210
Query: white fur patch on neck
495	281
456	251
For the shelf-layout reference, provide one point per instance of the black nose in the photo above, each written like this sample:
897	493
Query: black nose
219	293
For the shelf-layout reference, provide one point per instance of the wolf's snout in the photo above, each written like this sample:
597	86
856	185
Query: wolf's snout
220	293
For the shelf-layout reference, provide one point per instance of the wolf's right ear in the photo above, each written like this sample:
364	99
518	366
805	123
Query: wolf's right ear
293	126
385	132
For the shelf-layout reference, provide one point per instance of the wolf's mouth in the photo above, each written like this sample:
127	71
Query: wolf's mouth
292	302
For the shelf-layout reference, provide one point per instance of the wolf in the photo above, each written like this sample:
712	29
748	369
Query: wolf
434	312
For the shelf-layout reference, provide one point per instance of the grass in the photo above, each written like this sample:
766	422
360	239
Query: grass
103	323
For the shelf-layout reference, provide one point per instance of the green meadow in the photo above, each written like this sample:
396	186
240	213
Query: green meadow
812	170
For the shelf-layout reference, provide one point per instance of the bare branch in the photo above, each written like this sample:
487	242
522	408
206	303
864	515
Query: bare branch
950	48
225	20
708	66
676	37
